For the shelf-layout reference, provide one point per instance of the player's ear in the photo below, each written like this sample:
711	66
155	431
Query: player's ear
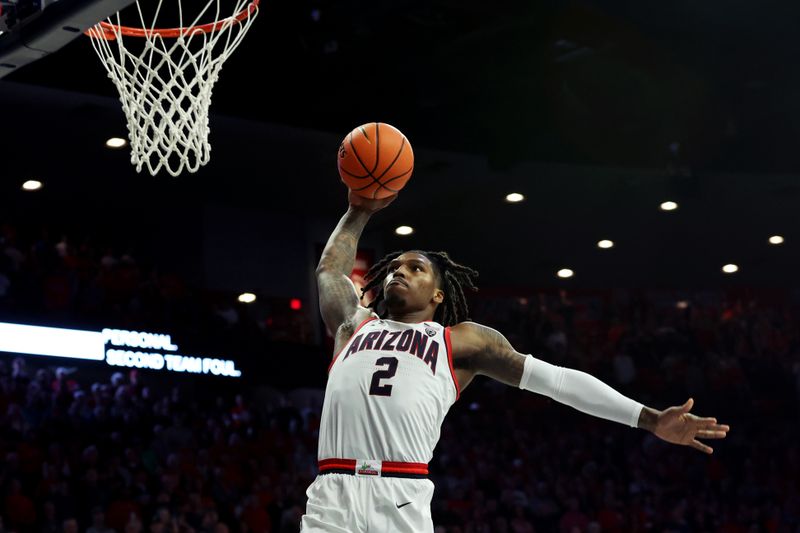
438	296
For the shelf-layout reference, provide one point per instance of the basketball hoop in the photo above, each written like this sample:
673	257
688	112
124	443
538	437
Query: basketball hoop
165	88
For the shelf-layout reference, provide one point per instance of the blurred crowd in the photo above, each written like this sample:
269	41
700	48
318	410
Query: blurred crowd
117	455
102	451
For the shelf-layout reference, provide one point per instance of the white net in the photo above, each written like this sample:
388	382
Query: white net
165	82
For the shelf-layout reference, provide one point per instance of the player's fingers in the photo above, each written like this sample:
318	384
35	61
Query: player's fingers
706	434
702	421
687	406
705	420
714	427
700	446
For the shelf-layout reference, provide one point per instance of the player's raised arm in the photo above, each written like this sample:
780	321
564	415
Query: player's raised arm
485	351
375	160
338	300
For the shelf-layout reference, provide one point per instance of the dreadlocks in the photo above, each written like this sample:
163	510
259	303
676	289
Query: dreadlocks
454	278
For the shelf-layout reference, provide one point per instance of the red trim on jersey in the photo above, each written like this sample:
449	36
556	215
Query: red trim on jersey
450	360
390	467
405	468
327	464
369	319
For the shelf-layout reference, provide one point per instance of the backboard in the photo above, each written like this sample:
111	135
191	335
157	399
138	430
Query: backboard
32	29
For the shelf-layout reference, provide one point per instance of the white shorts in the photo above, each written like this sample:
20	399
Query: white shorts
342	503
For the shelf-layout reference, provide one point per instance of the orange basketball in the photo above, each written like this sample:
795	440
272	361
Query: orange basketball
375	160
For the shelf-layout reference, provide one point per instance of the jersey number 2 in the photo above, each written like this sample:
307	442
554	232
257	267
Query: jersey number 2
375	388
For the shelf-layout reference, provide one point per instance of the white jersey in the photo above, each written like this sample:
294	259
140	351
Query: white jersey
389	389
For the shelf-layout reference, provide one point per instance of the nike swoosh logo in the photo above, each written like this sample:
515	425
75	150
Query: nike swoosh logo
402	505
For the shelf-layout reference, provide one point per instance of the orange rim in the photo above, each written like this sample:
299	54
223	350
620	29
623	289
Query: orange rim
110	31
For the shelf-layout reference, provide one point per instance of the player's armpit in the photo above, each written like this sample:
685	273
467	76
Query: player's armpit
486	351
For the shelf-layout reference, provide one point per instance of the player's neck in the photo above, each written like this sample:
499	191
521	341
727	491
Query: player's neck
413	317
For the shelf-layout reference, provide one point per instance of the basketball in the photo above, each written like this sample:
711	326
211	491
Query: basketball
375	160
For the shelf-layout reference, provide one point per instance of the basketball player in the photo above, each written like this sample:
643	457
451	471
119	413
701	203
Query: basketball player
402	362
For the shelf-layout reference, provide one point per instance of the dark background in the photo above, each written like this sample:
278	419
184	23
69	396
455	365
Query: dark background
597	111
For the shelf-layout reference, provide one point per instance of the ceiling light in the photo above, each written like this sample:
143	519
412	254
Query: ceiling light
247	297
669	206
404	230
605	243
565	273
32	185
776	239
514	197
116	142
730	268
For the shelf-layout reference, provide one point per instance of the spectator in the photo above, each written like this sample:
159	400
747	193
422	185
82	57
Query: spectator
99	522
70	526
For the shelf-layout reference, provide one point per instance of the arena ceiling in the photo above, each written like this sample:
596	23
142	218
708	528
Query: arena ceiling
598	110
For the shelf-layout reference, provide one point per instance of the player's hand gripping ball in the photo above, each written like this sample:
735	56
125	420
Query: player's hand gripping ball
375	160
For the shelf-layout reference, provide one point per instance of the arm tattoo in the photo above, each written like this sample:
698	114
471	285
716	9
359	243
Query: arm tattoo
498	359
338	300
339	254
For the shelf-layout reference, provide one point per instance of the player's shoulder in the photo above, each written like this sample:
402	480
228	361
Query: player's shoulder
469	329
467	338
352	323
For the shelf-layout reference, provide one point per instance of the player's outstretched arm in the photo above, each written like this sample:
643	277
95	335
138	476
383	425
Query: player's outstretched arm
338	301
483	350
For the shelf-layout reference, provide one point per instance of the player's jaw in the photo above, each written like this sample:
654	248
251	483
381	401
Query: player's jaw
396	294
